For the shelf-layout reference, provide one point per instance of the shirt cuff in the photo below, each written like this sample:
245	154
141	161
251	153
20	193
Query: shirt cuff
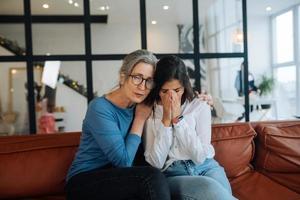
163	131
134	138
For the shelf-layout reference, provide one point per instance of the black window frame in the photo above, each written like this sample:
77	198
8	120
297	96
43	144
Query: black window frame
28	19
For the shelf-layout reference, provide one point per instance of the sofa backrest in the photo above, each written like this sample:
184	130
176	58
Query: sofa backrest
35	165
234	147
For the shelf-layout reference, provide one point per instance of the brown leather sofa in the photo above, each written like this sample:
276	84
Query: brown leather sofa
262	161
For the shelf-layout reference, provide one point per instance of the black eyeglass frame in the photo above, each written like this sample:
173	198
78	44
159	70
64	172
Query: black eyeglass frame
135	77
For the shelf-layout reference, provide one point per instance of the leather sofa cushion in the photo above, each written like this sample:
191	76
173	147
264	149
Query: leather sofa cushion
278	153
35	165
254	185
234	147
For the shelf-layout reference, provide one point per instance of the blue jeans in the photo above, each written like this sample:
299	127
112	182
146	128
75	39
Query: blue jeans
206	181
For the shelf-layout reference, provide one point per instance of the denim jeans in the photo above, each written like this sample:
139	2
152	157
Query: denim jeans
130	183
206	181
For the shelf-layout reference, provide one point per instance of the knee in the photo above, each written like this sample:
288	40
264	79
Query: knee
155	174
156	183
197	188
211	189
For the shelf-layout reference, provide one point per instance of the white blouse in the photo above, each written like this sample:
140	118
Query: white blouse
189	139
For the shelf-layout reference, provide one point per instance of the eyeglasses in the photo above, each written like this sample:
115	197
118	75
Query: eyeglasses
138	79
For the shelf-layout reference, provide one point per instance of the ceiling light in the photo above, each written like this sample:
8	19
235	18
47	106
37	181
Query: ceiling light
107	7
70	1
101	8
14	71
48	54
45	5
76	4
166	7
268	8
153	22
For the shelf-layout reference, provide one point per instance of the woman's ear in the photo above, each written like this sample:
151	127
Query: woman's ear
122	79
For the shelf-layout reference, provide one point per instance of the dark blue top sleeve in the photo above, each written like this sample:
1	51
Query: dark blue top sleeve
119	147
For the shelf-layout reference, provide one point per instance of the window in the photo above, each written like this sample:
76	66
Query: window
286	64
284	39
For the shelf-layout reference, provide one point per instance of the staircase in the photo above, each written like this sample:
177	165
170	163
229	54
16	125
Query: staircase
13	47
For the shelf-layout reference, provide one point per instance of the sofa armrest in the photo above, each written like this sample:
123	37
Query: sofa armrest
234	147
278	153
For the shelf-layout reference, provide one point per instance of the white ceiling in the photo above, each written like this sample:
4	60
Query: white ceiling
258	7
180	11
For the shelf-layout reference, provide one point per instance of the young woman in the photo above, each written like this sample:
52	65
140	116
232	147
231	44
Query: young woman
178	136
111	134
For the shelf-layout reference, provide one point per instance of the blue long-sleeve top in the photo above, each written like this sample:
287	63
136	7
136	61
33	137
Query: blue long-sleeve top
106	138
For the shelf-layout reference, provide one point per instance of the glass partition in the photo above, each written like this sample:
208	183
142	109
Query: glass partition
12	39
121	33
61	108
169	26
222	78
11	7
105	76
220	26
55	39
13	98
55	7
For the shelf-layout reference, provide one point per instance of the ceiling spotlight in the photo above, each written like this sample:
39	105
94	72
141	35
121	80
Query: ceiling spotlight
107	7
45	6
268	8
76	4
70	1
165	7
101	8
14	71
48	54
153	22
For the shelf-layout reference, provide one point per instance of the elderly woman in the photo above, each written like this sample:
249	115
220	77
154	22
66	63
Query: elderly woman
111	134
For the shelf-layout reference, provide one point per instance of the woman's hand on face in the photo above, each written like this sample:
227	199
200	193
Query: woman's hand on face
176	104
167	108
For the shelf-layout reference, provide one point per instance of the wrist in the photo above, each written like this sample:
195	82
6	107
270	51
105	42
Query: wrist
166	122
137	126
177	119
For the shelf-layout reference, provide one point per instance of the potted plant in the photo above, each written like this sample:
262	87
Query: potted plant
265	87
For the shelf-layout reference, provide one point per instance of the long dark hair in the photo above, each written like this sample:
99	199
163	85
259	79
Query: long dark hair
167	69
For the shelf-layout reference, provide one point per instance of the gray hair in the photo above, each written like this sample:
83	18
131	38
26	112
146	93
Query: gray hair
132	59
